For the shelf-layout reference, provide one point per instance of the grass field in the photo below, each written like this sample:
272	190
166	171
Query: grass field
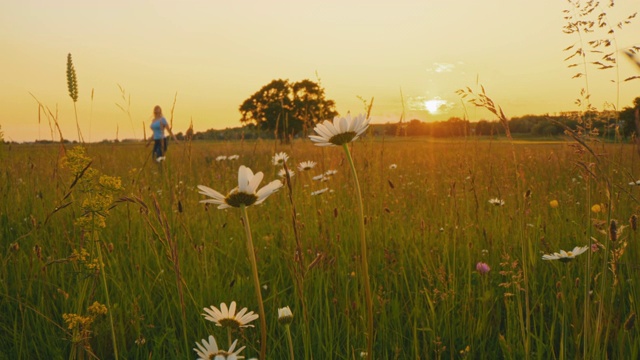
162	256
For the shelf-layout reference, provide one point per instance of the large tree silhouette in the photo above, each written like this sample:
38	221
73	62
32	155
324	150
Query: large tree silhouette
287	108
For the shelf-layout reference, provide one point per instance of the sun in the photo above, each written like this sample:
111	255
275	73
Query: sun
433	106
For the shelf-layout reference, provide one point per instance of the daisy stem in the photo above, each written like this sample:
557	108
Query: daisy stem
229	336
290	341
363	255
256	282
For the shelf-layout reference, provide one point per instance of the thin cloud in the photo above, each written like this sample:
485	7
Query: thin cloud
441	67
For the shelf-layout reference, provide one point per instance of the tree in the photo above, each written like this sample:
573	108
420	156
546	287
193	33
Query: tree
287	108
627	116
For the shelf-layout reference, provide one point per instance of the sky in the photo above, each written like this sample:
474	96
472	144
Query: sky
209	56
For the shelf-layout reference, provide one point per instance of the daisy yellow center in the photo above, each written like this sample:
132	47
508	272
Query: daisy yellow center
239	198
229	322
342	138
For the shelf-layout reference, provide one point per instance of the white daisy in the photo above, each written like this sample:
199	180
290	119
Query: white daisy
221	158
245	194
393	166
209	351
566	256
496	202
340	131
330	172
318	192
282	173
285	316
227	317
306	165
233	157
279	158
318	177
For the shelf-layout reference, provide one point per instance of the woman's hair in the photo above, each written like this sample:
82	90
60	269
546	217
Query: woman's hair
157	110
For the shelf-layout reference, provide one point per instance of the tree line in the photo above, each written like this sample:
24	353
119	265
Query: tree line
287	110
605	123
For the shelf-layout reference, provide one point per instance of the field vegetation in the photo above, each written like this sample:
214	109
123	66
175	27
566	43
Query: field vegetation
104	249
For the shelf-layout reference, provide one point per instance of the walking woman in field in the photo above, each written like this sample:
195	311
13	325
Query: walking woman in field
158	125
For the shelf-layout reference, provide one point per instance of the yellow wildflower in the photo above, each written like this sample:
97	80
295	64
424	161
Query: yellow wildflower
76	321
97	309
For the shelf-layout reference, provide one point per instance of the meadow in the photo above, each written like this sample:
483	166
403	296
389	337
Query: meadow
114	248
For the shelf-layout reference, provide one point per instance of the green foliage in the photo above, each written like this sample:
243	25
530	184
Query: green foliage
287	108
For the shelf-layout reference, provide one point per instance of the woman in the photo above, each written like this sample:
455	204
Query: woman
158	125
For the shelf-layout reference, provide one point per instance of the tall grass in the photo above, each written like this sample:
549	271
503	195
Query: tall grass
429	222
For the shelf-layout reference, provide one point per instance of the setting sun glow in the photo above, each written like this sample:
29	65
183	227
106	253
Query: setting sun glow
434	105
209	57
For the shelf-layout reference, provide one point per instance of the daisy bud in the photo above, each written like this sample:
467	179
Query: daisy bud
285	316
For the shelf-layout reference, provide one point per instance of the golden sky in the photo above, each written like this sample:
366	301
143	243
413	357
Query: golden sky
215	54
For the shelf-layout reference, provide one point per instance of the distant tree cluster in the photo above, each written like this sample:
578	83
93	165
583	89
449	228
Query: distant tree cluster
606	123
287	108
246	132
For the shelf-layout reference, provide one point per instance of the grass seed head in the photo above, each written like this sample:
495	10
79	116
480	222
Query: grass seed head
72	81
